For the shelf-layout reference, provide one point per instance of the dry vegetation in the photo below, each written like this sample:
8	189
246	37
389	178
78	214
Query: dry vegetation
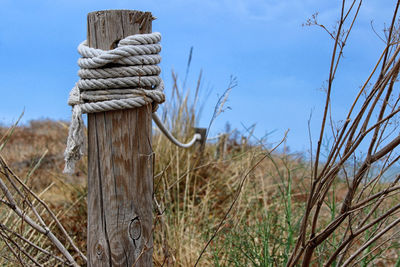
193	189
237	201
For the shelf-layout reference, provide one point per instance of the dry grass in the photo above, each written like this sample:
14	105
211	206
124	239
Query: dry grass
193	189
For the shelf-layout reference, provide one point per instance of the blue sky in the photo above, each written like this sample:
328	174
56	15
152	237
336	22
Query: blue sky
280	66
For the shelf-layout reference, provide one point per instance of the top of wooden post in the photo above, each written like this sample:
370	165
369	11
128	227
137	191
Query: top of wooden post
107	27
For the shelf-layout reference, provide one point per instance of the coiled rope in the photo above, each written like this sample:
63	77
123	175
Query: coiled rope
132	81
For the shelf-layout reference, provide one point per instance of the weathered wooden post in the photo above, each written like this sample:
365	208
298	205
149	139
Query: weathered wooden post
120	162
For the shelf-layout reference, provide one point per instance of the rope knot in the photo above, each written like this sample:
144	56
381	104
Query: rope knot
123	78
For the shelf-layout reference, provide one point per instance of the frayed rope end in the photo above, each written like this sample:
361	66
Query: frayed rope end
75	141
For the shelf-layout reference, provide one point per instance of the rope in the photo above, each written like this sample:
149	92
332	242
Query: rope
131	81
196	137
123	78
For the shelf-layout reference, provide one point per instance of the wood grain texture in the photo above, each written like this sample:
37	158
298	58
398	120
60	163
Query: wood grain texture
120	162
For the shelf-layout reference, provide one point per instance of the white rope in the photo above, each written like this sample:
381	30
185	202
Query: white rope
131	82
196	137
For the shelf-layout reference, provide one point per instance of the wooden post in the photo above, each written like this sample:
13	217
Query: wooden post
120	162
